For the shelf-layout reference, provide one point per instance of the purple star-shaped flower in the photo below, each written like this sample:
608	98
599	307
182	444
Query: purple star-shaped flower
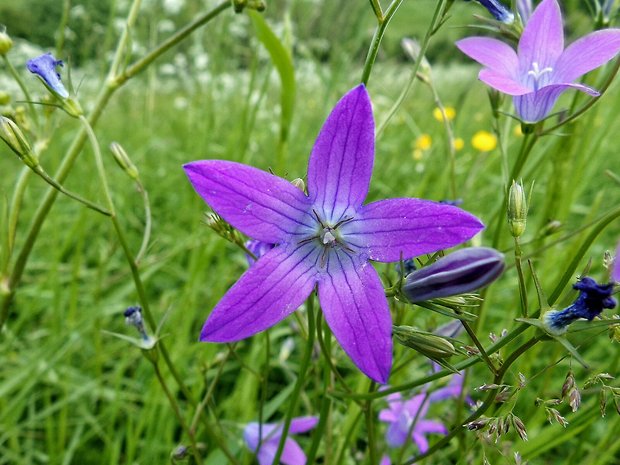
292	454
541	69
45	66
401	416
326	237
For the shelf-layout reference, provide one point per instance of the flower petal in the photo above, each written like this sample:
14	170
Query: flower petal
277	284
387	416
586	54
396	435
302	424
492	54
341	161
356	310
420	441
535	106
267	453
259	204
504	84
392	228
542	41
429	426
292	454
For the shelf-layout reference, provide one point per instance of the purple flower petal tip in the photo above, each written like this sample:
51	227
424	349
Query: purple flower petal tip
45	66
542	69
325	238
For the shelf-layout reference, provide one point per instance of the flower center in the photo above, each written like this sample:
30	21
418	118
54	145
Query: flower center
328	237
537	73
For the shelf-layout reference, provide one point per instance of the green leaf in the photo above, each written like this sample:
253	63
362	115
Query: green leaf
283	62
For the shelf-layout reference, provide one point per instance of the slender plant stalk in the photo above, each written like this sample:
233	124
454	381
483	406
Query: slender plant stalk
23	87
383	20
177	412
416	66
301	377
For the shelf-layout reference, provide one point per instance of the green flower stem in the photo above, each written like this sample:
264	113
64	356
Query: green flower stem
146	238
62	27
521	277
478	344
130	259
123	42
23	87
16	202
166	45
56	185
324	344
326	401
369	415
303	369
177	412
111	85
488	402
383	19
416	66
347	437
609	217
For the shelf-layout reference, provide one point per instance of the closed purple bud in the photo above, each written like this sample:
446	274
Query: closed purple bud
465	270
44	66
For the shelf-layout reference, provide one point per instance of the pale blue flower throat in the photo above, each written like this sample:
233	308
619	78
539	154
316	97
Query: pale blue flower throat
537	73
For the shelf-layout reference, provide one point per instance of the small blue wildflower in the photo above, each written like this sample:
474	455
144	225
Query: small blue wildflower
406	267
592	300
133	317
44	66
498	11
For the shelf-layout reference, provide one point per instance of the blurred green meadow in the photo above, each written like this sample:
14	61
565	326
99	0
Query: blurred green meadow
70	393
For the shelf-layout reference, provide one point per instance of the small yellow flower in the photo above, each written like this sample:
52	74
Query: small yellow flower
458	143
484	141
449	111
423	142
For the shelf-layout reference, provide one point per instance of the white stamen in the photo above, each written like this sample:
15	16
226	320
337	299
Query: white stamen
328	237
536	73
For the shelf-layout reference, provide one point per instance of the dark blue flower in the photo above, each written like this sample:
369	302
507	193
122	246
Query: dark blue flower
592	300
498	11
44	66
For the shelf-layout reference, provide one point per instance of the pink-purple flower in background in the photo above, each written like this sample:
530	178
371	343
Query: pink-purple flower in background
325	238
615	271
541	69
270	435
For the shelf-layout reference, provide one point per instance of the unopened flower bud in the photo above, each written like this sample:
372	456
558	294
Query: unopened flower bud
15	139
6	43
463	271
412	49
431	345
517	209
123	160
